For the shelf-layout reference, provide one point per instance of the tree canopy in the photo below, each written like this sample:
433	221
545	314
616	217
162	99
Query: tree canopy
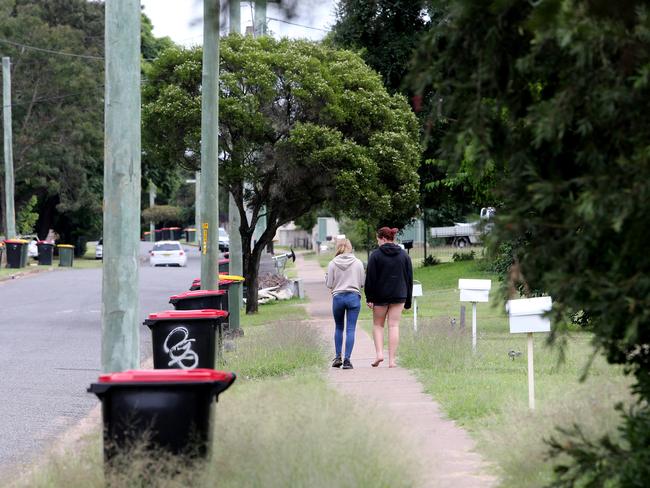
553	96
301	124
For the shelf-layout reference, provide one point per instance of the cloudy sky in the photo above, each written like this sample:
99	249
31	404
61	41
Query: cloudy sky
182	19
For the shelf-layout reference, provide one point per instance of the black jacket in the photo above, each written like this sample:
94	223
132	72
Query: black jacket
389	276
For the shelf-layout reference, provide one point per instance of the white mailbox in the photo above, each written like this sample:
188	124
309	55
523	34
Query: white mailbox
528	314
474	290
417	289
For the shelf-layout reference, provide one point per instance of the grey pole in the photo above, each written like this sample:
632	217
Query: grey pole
209	147
235	297
259	28
152	202
10	213
234	11
120	314
197	206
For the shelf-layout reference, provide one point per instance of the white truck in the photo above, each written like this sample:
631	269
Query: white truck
462	235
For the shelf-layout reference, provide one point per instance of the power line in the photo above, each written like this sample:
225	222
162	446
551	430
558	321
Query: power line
50	51
298	25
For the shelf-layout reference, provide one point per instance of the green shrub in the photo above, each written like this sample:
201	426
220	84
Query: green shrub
463	256
430	260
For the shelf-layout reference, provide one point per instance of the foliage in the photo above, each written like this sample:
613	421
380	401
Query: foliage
162	213
360	233
463	256
430	260
553	96
302	124
385	32
26	218
606	462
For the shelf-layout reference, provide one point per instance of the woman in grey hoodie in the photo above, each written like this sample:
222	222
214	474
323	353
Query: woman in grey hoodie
345	278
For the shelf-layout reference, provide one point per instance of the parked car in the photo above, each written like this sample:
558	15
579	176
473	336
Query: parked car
167	253
224	240
99	249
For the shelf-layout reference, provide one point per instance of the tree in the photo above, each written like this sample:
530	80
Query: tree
554	95
301	125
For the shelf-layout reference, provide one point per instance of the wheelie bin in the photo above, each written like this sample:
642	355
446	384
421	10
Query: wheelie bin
66	254
200	300
190	234
175	233
185	339
45	253
16	250
170	409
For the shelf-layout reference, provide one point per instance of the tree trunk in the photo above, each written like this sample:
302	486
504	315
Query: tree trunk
252	280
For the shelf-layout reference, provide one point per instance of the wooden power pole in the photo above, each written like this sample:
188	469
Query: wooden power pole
210	147
10	213
120	293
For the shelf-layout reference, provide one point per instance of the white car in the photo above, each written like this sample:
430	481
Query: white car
168	253
224	240
99	249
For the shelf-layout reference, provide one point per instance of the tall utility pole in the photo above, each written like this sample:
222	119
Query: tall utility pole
235	296
209	147
259	26
197	206
10	214
120	314
152	202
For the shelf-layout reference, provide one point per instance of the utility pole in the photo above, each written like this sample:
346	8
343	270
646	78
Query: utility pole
152	202
209	147
235	295
197	206
120	314
259	25
10	213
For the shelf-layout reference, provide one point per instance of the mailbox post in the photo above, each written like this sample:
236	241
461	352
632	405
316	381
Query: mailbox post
474	291
527	315
417	292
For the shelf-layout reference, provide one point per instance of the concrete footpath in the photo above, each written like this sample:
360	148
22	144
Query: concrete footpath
446	451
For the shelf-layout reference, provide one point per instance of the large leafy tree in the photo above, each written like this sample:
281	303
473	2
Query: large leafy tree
301	125
57	110
387	33
554	95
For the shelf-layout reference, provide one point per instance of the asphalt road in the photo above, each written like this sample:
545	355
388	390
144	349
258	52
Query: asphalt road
50	350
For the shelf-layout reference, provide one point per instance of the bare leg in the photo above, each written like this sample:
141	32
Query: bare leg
378	319
394	316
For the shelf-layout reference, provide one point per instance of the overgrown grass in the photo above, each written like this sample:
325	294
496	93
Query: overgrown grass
276	311
487	391
279	425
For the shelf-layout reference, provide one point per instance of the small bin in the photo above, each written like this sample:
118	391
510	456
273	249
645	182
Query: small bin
170	408
146	237
158	235
190	234
66	255
224	282
45	253
200	300
224	264
185	339
166	233
175	233
16	250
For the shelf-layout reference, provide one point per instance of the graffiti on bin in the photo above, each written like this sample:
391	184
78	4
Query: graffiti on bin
181	352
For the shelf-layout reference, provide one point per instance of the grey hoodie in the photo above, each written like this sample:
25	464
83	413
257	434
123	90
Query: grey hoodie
344	274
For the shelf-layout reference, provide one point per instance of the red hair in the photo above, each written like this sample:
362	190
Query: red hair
387	233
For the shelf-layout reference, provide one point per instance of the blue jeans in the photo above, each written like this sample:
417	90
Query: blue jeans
342	302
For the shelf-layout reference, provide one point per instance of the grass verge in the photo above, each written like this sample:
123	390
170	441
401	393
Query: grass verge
279	425
276	311
487	391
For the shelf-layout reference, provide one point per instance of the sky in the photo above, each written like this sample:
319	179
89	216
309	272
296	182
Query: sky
181	20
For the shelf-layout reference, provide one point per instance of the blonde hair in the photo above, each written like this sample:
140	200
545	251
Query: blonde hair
343	246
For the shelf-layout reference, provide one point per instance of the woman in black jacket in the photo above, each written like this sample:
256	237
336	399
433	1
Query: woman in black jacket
389	289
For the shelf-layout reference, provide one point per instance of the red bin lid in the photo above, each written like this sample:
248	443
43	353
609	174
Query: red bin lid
197	293
188	314
197	281
199	375
174	228
224	261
